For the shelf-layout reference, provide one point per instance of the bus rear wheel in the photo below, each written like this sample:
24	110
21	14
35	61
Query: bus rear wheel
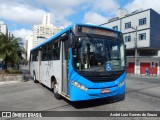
55	90
34	79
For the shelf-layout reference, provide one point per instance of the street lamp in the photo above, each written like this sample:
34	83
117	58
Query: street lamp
135	59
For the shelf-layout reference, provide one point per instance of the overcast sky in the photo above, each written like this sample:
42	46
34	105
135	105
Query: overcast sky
21	15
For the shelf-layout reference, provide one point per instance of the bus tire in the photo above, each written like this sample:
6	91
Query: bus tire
55	90
34	79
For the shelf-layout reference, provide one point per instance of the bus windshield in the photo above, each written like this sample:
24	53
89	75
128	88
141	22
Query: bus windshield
98	54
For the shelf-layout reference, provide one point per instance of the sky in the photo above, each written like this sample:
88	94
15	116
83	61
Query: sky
21	15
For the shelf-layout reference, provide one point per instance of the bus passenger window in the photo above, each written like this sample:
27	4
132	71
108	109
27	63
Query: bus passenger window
44	56
44	52
56	54
35	55
37	58
49	53
56	50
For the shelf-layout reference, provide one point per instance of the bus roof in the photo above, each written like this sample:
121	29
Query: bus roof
67	29
54	36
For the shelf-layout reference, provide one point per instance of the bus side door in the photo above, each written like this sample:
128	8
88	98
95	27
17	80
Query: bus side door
65	57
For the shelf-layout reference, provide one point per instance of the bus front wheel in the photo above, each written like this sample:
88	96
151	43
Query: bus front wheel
122	97
55	90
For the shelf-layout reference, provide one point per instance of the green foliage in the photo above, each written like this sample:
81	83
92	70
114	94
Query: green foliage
11	50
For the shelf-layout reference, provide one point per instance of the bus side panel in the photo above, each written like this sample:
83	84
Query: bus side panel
31	68
49	69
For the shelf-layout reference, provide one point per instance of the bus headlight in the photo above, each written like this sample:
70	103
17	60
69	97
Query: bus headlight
120	84
78	85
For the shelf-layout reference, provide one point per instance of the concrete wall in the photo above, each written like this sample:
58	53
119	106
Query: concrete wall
114	23
11	77
134	19
140	43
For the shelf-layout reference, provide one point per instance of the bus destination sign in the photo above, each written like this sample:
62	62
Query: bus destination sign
93	30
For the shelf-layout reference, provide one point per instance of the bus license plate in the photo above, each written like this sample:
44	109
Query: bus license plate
105	91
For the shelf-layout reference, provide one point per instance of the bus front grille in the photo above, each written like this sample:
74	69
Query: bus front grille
98	77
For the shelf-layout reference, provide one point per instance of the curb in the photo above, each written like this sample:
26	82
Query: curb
25	78
11	77
9	82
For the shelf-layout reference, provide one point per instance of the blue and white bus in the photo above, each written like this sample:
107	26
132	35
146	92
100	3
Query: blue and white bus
81	62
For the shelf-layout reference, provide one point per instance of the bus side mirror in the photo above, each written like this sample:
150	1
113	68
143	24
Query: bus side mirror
72	41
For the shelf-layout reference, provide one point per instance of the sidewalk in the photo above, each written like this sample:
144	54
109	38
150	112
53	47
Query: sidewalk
25	79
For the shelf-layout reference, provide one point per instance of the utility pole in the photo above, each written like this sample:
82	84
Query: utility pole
135	59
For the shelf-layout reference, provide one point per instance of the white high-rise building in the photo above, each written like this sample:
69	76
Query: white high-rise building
29	45
46	19
44	30
3	28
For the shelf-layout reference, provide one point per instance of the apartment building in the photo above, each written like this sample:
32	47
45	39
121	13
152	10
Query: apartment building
3	28
29	45
141	32
45	30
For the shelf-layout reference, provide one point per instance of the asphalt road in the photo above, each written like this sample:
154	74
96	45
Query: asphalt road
142	94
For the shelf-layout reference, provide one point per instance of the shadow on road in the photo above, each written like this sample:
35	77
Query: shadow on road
81	104
96	102
91	103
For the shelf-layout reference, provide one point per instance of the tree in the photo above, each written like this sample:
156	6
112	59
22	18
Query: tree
11	50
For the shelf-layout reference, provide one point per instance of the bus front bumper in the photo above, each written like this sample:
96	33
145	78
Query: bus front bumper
77	94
